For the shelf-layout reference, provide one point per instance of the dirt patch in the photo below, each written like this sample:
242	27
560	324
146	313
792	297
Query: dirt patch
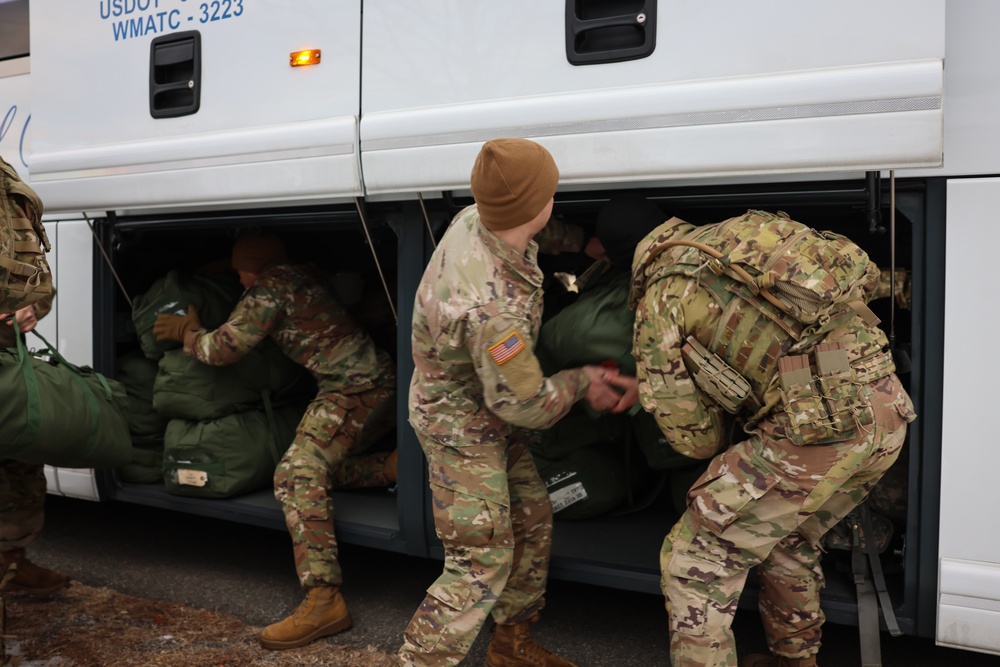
85	626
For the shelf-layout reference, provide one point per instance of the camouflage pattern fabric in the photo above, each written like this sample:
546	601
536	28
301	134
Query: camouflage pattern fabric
292	305
496	553
768	499
889	497
476	385
22	503
25	276
903	285
354	405
768	502
334	428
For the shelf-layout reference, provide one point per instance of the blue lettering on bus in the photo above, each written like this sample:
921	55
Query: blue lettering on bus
8	120
20	146
141	18
118	8
5	126
152	24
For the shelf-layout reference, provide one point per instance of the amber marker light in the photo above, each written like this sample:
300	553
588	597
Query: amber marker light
307	57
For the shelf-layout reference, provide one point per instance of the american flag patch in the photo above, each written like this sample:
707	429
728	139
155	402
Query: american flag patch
505	350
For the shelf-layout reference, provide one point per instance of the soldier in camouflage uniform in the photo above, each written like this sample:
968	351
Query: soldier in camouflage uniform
22	487
354	407
476	387
769	495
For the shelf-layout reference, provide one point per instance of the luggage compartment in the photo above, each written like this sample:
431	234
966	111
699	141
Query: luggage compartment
618	551
622	551
143	249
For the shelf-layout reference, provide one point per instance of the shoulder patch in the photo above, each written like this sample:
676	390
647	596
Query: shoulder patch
507	349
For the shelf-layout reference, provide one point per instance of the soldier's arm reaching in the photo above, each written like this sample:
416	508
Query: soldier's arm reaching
514	387
253	318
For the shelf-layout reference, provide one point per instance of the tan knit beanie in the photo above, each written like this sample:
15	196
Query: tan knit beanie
512	181
255	253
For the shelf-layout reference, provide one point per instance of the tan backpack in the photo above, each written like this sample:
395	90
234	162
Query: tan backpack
24	274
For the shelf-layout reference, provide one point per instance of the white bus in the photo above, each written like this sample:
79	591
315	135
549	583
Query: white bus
172	124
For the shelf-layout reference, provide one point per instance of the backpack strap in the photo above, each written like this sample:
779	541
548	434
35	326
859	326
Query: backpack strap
871	591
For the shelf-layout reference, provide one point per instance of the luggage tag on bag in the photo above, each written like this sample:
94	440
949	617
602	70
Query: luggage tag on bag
192	477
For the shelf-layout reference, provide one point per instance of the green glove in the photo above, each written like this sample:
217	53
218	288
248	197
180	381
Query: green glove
173	327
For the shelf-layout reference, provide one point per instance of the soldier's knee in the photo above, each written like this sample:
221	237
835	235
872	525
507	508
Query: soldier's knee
301	478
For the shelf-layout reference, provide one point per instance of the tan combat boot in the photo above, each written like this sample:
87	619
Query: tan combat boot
512	646
31	578
321	614
761	660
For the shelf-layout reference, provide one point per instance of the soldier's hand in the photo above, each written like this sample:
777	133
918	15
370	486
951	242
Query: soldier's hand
26	318
601	396
174	327
595	249
629	390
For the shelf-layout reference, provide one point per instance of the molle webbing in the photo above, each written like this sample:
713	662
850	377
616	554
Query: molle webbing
751	335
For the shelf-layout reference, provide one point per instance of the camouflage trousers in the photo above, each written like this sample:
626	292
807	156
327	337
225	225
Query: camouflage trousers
767	502
22	503
327	454
495	521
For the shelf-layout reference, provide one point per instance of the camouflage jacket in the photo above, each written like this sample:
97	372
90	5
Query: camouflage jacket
8	332
671	307
476	317
292	305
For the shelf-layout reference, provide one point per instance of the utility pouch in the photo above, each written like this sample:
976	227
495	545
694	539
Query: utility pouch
714	376
827	407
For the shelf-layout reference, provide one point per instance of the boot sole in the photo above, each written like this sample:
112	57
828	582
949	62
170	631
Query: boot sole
327	630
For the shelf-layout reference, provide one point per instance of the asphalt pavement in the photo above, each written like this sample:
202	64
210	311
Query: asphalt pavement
247	571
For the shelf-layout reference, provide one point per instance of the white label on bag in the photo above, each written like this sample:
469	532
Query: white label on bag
566	496
192	477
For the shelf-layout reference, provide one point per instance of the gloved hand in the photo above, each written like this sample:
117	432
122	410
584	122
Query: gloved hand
173	327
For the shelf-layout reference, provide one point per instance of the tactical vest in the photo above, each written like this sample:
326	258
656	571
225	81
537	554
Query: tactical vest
24	274
782	287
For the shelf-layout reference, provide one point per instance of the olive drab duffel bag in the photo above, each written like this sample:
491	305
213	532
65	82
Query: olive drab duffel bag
186	388
603	312
137	374
24	273
55	413
226	457
214	297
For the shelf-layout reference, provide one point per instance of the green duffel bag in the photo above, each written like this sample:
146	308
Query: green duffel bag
146	466
589	482
185	388
229	456
214	297
580	428
55	413
137	374
595	328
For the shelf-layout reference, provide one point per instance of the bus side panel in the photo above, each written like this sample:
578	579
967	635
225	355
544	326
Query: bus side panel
15	114
812	90
264	131
972	141
969	554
